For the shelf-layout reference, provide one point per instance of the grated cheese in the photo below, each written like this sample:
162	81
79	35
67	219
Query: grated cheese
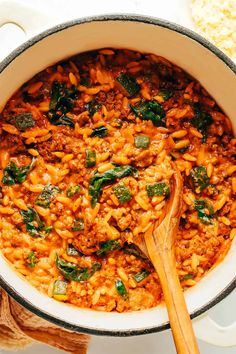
216	20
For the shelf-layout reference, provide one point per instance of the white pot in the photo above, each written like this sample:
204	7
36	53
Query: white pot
215	71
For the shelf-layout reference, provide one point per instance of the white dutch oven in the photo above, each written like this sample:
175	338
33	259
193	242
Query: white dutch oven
215	71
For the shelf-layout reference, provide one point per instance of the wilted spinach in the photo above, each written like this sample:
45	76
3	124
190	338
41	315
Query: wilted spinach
34	225
45	197
199	178
150	110
205	211
99	180
62	102
108	246
71	271
14	174
201	121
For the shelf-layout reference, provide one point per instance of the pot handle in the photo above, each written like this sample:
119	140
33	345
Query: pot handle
29	19
209	331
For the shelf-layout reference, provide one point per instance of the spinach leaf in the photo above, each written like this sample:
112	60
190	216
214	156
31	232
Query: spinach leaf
62	101
187	276
108	246
140	276
45	197
33	222
101	132
201	121
14	174
85	81
62	98
48	229
129	84
142	141
90	158
73	190
99	180
78	225
150	110
24	121
205	211
93	107
122	193
59	287
158	189
134	250
120	287
60	119
31	259
199	178
165	94
71	271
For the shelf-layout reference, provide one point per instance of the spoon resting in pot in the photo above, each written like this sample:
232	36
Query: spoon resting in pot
158	245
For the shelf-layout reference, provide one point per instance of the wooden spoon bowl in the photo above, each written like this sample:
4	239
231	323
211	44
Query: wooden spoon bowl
158	245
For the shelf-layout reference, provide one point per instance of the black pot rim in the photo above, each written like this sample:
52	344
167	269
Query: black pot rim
114	17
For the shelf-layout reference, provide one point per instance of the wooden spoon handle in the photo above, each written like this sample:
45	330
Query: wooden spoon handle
180	322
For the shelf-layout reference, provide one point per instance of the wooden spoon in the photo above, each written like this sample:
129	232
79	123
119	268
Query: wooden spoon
158	245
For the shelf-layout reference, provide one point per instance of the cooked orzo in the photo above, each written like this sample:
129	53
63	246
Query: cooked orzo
86	157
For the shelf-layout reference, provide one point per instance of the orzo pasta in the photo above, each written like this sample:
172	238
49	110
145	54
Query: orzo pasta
86	157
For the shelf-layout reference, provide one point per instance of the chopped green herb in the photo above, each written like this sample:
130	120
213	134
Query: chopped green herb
24	121
205	211
149	110
78	225
73	190
122	193
85	81
165	94
60	119
31	259
90	158
129	84
93	107
101	132
188	276
45	197
120	287
13	174
99	180
142	141
140	276
59	287
158	189
108	246
134	250
71	271
201	121
72	251
34	225
48	229
199	178
62	98
62	102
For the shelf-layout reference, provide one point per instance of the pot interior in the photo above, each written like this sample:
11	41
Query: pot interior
137	34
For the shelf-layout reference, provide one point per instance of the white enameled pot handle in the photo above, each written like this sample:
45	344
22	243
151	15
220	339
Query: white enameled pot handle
211	332
25	16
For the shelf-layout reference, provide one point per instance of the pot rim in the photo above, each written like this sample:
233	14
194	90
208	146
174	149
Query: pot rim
104	18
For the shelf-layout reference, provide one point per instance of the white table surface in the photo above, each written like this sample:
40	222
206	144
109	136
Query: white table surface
11	36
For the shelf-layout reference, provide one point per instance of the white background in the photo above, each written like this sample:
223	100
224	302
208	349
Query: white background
60	10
